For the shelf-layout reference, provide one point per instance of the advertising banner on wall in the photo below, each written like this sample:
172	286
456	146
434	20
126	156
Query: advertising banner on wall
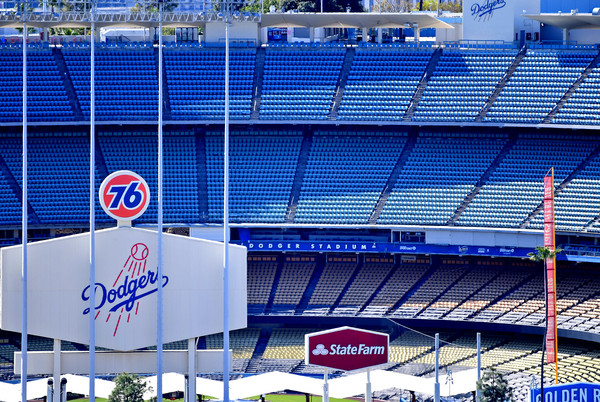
549	242
346	348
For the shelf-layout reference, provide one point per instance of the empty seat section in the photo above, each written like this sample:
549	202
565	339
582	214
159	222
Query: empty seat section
196	82
10	204
583	107
180	175
382	82
262	167
46	95
576	205
345	175
515	188
461	84
439	173
299	83
538	83
126	81
58	177
336	274
295	274
368	279
261	273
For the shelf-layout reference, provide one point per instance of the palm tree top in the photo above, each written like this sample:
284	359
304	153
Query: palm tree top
542	253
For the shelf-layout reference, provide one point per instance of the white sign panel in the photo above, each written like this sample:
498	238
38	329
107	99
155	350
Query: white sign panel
126	288
489	20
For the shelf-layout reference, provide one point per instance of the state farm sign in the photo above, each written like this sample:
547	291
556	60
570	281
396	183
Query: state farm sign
346	348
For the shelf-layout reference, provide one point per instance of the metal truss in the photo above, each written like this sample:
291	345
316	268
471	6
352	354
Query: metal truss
80	13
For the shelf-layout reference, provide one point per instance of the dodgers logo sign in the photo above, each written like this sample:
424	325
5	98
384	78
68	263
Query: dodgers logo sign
485	10
124	195
120	300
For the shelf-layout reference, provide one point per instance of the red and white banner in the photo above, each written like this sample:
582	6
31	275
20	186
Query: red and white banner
550	267
346	348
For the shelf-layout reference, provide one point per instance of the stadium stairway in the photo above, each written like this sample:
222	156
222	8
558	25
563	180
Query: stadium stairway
502	297
101	168
259	67
341	83
561	187
501	84
259	349
442	293
359	265
69	88
383	283
483	179
415	287
165	86
307	141
312	283
12	182
278	271
414	102
389	186
202	179
574	87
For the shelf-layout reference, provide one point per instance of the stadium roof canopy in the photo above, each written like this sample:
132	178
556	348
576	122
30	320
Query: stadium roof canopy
351	20
123	17
568	21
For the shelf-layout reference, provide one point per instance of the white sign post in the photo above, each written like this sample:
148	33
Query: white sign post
125	292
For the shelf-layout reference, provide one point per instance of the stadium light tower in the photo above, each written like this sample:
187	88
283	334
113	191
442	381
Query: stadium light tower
24	219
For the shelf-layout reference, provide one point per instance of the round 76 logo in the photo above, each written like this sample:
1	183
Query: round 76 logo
124	195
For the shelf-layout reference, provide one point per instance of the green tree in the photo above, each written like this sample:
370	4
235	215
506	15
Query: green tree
493	387
543	254
128	388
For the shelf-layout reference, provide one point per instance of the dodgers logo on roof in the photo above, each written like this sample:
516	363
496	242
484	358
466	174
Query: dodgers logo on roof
124	195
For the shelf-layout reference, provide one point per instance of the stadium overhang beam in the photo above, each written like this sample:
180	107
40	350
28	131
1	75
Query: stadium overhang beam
128	19
352	20
568	21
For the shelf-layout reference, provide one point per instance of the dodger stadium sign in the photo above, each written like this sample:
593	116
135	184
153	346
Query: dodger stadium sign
126	288
347	348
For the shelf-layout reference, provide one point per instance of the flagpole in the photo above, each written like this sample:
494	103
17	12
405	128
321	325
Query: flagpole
24	222
159	332
92	317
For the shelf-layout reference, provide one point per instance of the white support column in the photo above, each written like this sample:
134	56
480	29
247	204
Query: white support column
191	391
56	370
365	34
368	392
478	362
566	35
417	34
379	35
311	31
436	387
326	386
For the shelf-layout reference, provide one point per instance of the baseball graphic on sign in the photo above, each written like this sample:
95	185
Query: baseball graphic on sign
124	195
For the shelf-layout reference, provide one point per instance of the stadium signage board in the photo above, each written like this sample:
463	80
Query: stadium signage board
346	348
124	195
126	288
573	392
381	247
